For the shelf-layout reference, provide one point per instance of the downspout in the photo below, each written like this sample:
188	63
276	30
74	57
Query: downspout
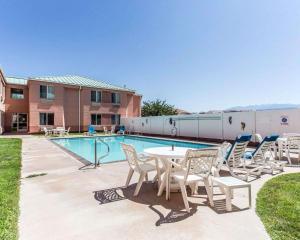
79	113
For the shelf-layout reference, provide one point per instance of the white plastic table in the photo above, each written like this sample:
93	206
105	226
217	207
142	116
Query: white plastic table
166	154
230	183
58	131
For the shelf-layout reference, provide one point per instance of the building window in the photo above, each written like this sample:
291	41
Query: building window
115	98
115	119
46	92
47	119
95	119
16	93
96	96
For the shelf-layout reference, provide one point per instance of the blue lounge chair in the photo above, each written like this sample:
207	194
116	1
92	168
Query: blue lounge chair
237	164
91	130
262	156
121	130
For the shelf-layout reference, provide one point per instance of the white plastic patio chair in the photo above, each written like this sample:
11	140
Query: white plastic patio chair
105	130
293	144
196	167
140	164
47	131
112	129
67	131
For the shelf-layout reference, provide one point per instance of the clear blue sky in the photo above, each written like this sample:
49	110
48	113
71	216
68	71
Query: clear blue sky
198	55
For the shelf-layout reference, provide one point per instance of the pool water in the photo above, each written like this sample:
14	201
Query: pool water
85	147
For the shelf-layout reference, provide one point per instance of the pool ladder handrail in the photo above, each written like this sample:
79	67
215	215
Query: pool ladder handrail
97	163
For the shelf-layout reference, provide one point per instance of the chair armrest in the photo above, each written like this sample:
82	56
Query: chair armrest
145	158
176	165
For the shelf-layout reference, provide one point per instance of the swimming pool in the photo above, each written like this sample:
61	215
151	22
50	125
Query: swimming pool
84	147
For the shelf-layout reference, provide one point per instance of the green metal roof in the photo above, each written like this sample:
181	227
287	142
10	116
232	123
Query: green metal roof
15	80
80	81
68	80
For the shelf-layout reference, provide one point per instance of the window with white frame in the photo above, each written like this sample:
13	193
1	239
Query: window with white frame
95	119
16	93
115	119
47	119
115	98
47	92
96	96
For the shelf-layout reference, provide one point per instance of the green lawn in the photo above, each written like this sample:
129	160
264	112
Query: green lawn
10	165
278	205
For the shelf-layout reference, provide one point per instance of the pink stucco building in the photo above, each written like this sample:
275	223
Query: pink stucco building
29	104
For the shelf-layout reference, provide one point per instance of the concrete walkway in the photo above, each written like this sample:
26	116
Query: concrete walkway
68	203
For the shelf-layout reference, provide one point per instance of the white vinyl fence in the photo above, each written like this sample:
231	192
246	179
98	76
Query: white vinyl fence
224	125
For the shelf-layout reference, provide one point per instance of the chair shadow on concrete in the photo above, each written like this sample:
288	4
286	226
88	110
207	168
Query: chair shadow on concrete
177	212
148	196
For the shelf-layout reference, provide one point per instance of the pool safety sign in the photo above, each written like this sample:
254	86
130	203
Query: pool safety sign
284	120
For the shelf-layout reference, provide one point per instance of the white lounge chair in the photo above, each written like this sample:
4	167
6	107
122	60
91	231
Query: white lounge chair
217	165
263	155
105	130
112	129
195	168
140	164
236	163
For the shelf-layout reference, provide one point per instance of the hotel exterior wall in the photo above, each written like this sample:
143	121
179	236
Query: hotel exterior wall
38	105
66	102
14	105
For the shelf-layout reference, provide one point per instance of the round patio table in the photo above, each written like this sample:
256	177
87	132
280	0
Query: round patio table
166	155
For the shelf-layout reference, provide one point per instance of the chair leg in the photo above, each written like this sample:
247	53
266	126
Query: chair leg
146	177
155	178
184	196
139	184
131	171
209	192
228	200
162	185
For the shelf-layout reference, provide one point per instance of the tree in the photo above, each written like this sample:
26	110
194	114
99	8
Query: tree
157	108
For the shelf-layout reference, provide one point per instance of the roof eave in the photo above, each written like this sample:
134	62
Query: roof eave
77	85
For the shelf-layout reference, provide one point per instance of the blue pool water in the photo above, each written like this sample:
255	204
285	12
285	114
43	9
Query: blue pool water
84	147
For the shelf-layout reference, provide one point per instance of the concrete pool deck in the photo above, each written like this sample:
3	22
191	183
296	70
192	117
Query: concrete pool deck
68	203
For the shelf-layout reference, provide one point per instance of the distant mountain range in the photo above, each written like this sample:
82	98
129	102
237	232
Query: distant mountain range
263	107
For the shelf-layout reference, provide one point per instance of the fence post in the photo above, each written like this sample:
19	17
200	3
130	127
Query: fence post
95	148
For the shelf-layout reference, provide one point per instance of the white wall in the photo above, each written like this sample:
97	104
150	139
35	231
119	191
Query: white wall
237	119
217	125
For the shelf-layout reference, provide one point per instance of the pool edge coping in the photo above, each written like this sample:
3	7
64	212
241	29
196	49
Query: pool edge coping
86	162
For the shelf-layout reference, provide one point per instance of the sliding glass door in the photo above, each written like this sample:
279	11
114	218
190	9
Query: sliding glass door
19	122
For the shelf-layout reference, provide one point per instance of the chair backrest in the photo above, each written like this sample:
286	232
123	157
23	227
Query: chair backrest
113	127
223	152
264	147
104	129
91	129
200	161
45	129
293	141
258	137
237	151
131	155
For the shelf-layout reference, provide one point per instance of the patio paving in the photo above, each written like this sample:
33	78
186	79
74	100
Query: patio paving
68	203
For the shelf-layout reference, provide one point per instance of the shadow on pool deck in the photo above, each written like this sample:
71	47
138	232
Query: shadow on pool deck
148	196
